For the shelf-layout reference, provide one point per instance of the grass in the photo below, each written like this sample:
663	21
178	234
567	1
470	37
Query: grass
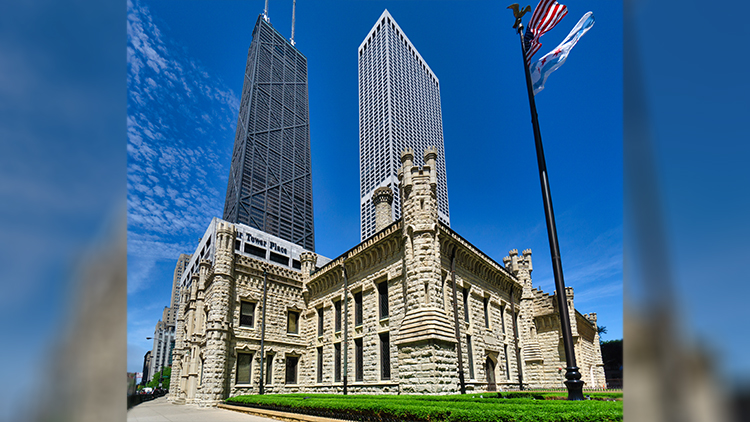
523	407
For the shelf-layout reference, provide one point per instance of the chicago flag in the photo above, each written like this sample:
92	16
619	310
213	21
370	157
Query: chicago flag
542	68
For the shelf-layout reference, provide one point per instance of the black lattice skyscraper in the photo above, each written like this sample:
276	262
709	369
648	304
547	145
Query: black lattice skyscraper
270	180
399	108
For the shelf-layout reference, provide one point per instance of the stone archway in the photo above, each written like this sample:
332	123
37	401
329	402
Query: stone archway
489	368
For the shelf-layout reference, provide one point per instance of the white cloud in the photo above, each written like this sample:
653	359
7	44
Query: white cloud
167	155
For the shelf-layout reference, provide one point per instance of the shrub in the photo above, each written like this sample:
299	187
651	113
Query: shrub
522	407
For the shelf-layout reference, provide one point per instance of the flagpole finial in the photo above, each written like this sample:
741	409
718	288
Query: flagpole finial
518	13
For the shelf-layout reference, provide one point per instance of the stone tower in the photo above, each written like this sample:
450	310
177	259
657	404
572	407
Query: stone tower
521	267
218	319
426	343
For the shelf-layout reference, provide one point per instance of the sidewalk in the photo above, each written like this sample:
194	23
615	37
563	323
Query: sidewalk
160	410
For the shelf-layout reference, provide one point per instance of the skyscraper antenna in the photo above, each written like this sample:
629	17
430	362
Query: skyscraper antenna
265	12
294	6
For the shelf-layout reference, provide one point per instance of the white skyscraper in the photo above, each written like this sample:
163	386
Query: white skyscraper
399	108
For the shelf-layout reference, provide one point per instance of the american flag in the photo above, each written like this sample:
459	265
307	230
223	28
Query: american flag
546	15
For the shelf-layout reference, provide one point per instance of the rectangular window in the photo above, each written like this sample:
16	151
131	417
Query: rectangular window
269	369
466	304
320	321
337	362
486	312
247	314
358	309
337	309
254	250
320	365
358	360
385	357
292	326
471	356
279	259
244	366
291	369
502	317
383	299
507	364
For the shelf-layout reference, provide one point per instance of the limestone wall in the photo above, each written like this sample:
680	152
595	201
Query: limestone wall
284	294
369	332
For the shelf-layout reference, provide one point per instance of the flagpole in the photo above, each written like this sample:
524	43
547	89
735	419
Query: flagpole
572	375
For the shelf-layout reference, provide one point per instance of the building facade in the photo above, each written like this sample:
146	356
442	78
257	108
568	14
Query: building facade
398	308
174	301
399	108
161	354
270	179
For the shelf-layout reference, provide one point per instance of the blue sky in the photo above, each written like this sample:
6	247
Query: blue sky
185	69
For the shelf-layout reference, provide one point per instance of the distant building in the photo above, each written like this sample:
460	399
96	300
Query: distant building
270	179
161	354
399	108
394	294
174	300
146	367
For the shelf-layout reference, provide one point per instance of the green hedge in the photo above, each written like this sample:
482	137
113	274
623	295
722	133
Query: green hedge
454	408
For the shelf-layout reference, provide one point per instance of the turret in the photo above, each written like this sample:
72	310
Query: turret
308	261
382	199
430	155
218	324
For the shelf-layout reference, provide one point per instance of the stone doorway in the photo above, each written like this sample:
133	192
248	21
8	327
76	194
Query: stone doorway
490	371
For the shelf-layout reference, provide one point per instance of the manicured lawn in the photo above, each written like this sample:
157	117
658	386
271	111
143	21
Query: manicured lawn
458	408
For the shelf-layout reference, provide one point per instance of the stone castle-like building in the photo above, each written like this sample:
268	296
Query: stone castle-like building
386	308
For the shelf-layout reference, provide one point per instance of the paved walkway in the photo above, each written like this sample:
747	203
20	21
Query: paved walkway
160	410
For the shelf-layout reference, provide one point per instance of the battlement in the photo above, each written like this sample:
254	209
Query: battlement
408	170
514	263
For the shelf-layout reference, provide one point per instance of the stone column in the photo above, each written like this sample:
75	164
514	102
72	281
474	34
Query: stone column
176	392
219	294
187	381
382	198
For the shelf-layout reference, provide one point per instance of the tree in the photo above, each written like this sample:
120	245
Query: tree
164	375
602	329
